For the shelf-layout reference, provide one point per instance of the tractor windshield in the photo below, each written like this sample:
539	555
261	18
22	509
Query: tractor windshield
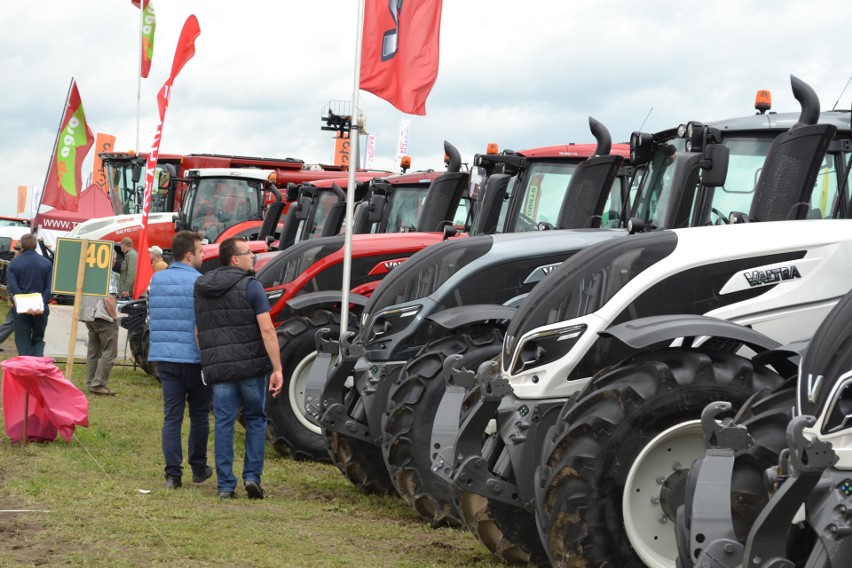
586	282
219	203
747	155
540	194
126	195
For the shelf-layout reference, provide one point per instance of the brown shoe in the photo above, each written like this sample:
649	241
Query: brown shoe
101	391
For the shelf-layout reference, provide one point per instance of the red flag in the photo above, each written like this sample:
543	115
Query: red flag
183	53
64	181
149	25
399	51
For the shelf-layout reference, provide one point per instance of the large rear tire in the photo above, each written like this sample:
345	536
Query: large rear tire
139	351
407	425
292	434
614	470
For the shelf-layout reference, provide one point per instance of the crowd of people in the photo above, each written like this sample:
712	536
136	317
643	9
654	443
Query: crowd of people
211	336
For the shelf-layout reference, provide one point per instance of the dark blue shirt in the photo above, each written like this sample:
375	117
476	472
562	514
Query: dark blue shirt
30	273
257	297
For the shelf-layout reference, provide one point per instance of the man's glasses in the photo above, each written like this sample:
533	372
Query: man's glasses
243	253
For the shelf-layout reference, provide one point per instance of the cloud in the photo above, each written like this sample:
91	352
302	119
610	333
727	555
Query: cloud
521	76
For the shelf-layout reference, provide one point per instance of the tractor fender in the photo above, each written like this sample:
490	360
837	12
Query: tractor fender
323	299
644	332
460	316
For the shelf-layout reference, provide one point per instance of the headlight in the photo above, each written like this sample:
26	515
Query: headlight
546	347
390	321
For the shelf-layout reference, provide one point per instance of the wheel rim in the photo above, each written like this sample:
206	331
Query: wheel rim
296	392
660	464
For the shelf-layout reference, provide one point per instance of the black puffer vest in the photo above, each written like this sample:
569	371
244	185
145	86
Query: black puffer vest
231	343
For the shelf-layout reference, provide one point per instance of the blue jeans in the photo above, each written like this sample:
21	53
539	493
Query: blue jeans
29	333
182	387
227	398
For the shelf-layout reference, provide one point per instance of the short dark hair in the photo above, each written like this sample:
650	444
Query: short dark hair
183	243
28	241
228	250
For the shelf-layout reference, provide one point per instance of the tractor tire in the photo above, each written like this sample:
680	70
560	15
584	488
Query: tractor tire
292	434
407	424
614	470
360	462
507	531
767	421
139	351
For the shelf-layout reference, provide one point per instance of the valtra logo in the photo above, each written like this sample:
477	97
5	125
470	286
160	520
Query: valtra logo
771	276
386	266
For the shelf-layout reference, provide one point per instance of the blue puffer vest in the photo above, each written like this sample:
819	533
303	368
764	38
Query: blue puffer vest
172	315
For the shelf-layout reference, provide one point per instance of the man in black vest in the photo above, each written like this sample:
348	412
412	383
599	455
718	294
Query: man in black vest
239	348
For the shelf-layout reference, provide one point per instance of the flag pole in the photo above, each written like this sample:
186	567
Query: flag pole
350	189
139	74
34	228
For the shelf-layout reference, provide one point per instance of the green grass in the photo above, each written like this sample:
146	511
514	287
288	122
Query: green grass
107	505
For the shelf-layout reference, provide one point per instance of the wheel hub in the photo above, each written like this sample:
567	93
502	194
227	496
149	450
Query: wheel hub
655	487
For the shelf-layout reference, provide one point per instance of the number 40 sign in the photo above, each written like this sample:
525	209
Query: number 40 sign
96	263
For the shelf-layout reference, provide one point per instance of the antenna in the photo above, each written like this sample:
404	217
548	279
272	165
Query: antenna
841	93
646	118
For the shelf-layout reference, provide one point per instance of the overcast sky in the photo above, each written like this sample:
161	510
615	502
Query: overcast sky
519	74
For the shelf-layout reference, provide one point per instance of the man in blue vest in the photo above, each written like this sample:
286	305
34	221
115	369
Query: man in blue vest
239	348
174	348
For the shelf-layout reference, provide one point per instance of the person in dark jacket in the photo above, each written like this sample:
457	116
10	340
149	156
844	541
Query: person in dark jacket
171	313
239	349
30	273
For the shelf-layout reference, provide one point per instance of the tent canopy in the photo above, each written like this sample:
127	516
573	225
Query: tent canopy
93	203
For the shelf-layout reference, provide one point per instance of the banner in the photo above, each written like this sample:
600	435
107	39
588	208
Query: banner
183	52
148	25
399	51
64	182
22	199
370	156
103	143
341	149
404	135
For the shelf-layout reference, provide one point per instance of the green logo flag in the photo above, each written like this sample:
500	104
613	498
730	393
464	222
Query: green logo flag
64	180
149	24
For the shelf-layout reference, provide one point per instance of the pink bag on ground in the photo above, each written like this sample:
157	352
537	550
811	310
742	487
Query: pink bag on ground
55	405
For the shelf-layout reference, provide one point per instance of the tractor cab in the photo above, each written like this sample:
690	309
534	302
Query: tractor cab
220	201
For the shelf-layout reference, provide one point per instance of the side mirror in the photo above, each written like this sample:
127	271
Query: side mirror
714	165
136	173
292	191
167	174
449	231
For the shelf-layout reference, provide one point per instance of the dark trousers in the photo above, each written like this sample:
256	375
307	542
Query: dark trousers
182	387
29	333
8	325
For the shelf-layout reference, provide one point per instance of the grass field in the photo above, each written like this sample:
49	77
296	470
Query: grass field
100	501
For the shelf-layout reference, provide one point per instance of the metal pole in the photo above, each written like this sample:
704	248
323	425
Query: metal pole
350	189
139	74
52	155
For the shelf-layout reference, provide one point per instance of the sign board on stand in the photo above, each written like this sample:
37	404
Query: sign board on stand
81	267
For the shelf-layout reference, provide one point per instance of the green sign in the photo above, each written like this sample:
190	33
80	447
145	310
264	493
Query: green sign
97	266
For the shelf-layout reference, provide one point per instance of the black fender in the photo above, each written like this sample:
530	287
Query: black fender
324	299
645	332
460	316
